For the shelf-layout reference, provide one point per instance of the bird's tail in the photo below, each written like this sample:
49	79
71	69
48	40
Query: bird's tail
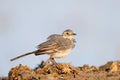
23	55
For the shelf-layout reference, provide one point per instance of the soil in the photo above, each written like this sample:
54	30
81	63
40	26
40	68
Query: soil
65	71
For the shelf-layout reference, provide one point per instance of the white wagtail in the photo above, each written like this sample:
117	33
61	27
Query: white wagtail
57	46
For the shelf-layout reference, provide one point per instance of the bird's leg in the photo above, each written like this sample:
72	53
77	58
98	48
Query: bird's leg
53	61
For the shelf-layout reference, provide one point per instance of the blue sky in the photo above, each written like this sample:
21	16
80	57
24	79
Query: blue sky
26	23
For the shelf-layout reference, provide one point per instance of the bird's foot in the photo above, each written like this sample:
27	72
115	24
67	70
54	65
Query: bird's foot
53	61
50	60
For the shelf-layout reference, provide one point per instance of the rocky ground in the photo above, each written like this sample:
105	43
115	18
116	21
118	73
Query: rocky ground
65	71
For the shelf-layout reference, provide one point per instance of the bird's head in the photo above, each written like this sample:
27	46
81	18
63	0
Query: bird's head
68	34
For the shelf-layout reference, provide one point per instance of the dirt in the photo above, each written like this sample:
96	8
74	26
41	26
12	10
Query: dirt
65	71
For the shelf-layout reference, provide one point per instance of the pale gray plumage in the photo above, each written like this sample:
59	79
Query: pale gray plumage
57	46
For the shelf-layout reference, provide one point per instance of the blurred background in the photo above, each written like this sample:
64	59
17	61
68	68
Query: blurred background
26	23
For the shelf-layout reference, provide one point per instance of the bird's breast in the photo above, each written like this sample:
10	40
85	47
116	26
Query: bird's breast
61	54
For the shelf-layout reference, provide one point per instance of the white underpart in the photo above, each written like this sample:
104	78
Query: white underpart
61	54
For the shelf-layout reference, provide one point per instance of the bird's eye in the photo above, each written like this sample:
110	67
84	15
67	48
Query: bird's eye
67	33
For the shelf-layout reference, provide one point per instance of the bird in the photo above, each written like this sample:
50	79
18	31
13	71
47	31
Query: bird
56	45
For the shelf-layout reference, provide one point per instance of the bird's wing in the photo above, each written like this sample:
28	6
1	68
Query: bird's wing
52	46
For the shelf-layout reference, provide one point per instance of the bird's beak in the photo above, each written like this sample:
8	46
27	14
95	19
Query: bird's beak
74	34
